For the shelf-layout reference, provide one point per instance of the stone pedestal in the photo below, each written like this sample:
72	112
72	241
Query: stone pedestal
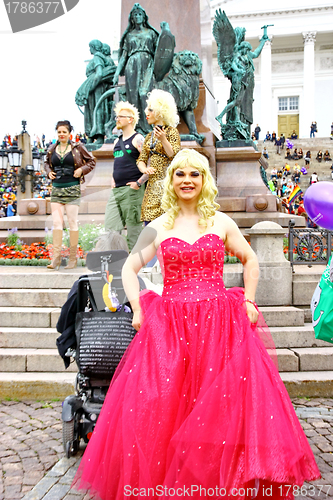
33	206
238	173
275	282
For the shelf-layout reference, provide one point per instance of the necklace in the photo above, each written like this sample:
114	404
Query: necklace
62	153
152	143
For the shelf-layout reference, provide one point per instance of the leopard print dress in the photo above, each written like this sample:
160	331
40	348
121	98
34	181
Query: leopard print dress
151	204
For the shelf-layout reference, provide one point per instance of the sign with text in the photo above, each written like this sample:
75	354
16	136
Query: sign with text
28	14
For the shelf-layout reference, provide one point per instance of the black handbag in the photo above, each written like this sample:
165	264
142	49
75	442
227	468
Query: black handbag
102	339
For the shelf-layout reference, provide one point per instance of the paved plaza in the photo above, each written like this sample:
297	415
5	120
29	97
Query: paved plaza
33	465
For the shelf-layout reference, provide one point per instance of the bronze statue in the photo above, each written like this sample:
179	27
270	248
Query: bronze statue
147	60
100	71
235	57
136	61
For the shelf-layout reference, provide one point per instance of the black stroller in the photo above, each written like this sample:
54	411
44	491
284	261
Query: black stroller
95	327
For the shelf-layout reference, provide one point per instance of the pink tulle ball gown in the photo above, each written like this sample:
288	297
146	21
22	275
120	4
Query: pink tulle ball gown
198	408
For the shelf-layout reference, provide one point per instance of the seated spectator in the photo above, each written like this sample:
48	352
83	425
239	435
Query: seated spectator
313	178
268	137
301	209
285	190
285	205
288	154
327	155
286	170
290	185
273	137
319	156
307	157
273	173
300	153
265	153
294	156
297	173
294	135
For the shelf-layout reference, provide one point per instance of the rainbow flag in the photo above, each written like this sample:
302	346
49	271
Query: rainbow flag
295	193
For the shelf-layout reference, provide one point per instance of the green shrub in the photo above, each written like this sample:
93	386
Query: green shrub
24	262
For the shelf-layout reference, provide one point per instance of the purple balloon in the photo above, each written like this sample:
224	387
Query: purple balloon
318	204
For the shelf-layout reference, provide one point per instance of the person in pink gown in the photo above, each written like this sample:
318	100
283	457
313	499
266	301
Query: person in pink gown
196	407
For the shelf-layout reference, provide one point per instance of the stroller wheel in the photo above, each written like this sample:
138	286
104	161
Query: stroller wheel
68	437
68	449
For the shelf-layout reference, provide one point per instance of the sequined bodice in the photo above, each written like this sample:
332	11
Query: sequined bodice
192	272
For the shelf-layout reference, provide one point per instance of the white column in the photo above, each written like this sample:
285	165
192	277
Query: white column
307	111
266	89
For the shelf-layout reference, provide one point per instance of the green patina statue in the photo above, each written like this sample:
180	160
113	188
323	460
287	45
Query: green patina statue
100	72
147	60
182	81
235	57
136	61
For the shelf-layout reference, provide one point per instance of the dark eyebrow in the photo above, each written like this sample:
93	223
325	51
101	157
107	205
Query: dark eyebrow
178	170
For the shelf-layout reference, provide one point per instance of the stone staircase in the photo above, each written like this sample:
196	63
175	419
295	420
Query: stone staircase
314	145
30	367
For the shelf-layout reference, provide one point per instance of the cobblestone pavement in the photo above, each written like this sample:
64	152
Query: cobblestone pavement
33	465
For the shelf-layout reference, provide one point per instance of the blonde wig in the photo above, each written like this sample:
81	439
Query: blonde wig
164	107
127	106
206	205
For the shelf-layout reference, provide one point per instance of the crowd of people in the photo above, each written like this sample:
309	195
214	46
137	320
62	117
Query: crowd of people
43	185
285	184
39	142
285	181
273	136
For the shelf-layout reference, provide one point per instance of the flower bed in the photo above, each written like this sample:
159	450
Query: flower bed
35	251
36	254
15	252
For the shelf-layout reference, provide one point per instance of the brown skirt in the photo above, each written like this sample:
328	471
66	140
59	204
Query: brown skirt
66	195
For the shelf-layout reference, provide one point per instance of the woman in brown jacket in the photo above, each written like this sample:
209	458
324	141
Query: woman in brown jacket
66	165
